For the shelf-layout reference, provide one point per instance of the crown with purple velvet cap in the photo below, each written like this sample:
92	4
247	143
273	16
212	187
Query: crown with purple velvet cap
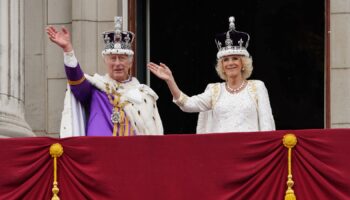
232	42
118	41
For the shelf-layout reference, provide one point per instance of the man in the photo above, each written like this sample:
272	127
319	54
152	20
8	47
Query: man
117	103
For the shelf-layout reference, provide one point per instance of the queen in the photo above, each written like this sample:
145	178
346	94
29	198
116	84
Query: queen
234	105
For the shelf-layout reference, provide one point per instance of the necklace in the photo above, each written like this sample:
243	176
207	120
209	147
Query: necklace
237	89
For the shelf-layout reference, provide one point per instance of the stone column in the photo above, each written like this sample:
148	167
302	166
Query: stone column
12	122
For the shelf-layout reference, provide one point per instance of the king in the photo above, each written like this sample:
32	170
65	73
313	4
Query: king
114	104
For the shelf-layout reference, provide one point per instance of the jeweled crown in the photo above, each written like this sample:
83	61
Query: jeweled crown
232	42
118	41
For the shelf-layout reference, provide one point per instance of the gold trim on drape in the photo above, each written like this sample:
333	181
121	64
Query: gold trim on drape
56	150
289	141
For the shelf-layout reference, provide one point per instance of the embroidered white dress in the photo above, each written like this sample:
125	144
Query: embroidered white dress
221	111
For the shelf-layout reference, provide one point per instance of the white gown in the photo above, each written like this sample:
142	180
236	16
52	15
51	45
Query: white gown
221	111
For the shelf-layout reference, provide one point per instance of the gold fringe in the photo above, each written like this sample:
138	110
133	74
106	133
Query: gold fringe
290	196
289	141
56	150
115	128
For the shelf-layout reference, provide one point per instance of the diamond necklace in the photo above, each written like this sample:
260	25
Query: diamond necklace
237	89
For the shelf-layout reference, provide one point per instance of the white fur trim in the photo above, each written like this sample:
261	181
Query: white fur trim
227	52
148	122
118	51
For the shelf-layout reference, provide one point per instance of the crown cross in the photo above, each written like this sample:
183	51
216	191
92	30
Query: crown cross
127	41
118	23
118	27
240	42
106	38
219	45
108	43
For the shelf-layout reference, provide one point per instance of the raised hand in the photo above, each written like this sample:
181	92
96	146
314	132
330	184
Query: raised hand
61	38
161	71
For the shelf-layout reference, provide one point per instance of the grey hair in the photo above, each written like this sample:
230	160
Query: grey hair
130	57
247	68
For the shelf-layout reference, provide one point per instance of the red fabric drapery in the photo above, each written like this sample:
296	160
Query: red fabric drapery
238	166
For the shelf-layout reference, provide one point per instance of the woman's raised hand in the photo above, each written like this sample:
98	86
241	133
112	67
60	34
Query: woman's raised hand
61	38
161	71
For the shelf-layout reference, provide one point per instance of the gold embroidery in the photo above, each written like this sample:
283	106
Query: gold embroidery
216	92
182	99
118	116
77	82
253	92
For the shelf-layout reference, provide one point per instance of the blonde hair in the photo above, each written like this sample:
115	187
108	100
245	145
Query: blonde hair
247	67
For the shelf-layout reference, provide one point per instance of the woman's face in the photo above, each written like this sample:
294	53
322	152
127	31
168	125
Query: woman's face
118	66
232	66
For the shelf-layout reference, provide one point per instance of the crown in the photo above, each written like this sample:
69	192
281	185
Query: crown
232	42
118	41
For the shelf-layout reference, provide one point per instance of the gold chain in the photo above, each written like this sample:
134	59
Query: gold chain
118	114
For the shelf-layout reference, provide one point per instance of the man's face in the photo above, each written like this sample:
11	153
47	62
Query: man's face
118	66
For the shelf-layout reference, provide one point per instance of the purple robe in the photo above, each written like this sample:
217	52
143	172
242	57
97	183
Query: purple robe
96	101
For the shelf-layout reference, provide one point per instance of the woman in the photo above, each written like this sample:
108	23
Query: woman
236	105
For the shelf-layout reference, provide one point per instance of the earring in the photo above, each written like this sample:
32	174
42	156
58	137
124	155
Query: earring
243	68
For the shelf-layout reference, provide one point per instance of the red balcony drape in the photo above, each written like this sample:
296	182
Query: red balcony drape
237	166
